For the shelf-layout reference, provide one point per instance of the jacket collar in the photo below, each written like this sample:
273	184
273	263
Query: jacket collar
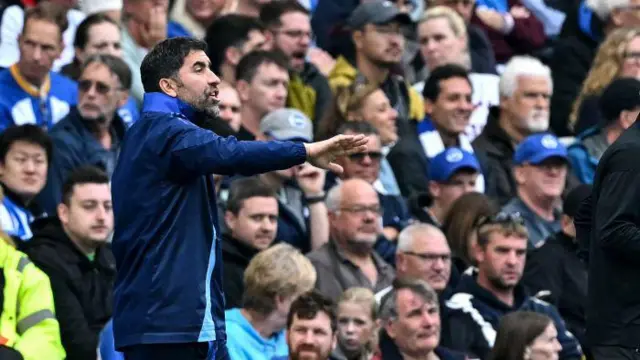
469	284
76	121
163	103
29	88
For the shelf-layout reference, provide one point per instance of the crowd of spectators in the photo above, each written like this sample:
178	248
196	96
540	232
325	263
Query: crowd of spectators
451	237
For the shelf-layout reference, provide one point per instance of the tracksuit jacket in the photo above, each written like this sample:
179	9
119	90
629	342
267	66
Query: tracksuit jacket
167	242
485	312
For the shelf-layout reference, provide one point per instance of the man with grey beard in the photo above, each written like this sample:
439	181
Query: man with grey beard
525	89
92	132
348	259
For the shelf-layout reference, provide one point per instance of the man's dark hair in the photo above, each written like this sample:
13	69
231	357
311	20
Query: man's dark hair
432	88
87	174
166	59
82	32
358	127
249	64
271	13
245	188
307	307
48	11
116	65
29	133
228	31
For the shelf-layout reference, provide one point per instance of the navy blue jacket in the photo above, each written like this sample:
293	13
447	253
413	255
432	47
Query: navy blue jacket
473	307
76	146
166	241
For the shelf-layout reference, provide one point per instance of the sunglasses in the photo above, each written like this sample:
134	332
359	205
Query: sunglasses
101	87
373	155
501	218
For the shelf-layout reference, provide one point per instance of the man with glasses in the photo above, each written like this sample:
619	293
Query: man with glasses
92	132
349	259
289	27
367	166
494	289
452	173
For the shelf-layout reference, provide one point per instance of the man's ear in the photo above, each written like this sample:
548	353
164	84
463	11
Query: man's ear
357	37
169	86
63	213
123	98
519	174
232	55
230	220
242	87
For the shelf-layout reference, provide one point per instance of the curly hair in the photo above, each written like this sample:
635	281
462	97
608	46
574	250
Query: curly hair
605	68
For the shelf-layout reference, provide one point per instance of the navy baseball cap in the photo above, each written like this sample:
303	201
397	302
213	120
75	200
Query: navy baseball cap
376	12
444	165
537	148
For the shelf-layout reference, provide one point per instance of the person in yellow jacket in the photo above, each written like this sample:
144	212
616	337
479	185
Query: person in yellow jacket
28	326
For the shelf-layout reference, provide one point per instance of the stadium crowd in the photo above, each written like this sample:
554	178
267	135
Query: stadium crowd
467	230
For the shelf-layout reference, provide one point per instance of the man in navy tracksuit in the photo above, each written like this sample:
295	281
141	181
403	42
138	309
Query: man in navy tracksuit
484	295
168	299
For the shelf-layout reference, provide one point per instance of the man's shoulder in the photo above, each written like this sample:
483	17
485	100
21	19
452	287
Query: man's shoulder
321	255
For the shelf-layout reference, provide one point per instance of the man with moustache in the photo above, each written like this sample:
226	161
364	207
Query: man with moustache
92	132
348	259
311	327
525	89
164	201
492	290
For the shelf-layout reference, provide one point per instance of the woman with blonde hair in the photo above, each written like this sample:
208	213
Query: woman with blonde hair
357	314
618	56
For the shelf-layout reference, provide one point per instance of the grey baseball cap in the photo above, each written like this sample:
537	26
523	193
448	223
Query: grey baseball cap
376	12
287	124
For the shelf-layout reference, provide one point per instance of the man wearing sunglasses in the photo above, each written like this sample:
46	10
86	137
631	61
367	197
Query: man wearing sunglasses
367	166
92	132
494	288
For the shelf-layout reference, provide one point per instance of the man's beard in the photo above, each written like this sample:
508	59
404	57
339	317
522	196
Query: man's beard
295	355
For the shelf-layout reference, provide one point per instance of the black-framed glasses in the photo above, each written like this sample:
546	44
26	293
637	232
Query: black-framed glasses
361	210
102	88
373	155
430	257
501	218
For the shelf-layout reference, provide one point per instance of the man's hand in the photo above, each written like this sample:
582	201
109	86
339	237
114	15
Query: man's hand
310	179
322	154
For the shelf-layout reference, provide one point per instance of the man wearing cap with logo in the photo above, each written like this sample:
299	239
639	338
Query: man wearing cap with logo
302	220
377	33
452	173
540	171
619	106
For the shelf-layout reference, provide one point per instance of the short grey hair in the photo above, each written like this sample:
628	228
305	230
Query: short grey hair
334	198
522	66
406	236
603	8
389	302
116	65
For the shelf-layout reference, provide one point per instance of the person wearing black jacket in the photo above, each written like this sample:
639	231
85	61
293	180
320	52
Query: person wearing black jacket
251	219
613	305
557	268
72	250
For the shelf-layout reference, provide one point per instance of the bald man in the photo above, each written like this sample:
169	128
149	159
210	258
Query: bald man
348	259
423	253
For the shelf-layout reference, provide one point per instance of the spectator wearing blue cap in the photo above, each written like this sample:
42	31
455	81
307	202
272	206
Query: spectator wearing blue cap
540	171
452	173
619	106
303	220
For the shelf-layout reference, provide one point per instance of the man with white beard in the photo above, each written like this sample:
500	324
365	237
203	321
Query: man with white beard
525	90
